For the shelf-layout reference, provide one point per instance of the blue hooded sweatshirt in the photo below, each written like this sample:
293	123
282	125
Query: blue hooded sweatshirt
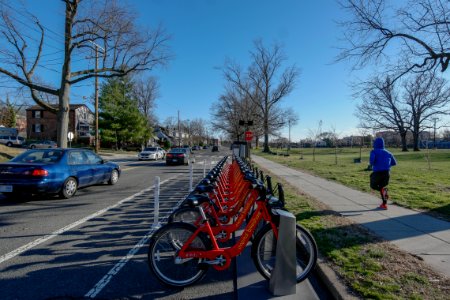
380	158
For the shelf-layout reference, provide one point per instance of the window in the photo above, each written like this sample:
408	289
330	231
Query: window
37	114
38	128
77	158
93	158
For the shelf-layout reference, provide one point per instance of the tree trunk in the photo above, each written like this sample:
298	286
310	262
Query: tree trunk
403	139
64	95
415	134
63	117
266	134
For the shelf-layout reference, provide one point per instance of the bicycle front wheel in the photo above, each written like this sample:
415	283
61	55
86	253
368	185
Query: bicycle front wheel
189	215
264	252
162	253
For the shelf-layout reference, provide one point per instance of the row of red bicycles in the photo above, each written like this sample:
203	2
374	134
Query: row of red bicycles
199	234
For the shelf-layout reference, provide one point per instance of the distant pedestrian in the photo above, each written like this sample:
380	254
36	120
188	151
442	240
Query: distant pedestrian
381	161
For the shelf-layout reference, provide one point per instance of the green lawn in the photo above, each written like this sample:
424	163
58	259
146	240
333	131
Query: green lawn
421	180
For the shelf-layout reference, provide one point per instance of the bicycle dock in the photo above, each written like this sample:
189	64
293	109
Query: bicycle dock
179	252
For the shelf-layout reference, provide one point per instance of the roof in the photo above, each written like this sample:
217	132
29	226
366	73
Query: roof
72	107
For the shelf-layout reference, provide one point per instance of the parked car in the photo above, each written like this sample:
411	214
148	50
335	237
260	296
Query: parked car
42	144
152	153
215	149
162	152
196	148
10	140
55	171
179	156
205	147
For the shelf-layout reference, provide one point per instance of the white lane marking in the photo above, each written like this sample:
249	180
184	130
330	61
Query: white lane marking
117	267
58	232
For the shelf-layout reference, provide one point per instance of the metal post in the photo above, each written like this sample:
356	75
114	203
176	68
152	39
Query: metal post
283	278
204	168
191	179
97	146
156	223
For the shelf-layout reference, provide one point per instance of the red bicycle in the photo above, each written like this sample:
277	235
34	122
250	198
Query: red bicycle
180	253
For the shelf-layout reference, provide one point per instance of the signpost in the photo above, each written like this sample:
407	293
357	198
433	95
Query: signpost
70	138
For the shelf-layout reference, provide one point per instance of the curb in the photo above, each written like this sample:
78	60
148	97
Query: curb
332	281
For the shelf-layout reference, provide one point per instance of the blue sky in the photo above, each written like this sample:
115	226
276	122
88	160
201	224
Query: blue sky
206	32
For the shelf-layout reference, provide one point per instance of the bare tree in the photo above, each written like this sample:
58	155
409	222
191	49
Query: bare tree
103	27
426	97
234	106
315	137
382	108
146	91
264	83
413	37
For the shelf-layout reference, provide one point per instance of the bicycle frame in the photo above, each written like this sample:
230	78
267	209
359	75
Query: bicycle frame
220	258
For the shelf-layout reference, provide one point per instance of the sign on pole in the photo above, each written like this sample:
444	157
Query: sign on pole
70	136
248	136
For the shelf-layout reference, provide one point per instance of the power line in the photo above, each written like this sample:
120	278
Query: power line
23	15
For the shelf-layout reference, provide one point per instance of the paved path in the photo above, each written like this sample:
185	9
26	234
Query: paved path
410	230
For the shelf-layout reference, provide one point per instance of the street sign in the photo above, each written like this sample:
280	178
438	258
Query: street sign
248	136
70	136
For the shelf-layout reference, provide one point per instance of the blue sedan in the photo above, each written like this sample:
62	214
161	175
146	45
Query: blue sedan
55	171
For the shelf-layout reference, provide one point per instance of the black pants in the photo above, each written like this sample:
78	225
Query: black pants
379	180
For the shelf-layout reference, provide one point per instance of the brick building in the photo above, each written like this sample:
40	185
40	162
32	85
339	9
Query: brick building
41	123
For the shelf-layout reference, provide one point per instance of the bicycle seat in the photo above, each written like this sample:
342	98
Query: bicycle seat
195	200
202	188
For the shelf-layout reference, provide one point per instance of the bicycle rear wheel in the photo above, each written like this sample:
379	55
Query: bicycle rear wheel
162	252
264	252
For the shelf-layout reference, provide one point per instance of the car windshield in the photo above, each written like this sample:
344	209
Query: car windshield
150	149
39	156
178	150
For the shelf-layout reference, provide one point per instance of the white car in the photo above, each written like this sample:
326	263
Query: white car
151	153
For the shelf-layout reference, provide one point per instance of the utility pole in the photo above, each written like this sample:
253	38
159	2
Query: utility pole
179	130
434	133
97	146
289	146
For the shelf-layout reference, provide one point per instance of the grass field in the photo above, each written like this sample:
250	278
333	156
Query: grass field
371	268
421	180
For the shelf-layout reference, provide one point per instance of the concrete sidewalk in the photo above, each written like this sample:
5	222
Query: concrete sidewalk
411	231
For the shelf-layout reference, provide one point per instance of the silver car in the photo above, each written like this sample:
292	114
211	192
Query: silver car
10	141
150	153
43	144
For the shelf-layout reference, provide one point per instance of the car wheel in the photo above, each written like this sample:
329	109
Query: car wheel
32	146
9	144
114	178
69	188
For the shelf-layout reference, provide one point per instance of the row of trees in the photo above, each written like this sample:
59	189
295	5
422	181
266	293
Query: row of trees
409	42
254	94
408	105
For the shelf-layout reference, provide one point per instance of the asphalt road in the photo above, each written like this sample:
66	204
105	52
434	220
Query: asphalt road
94	245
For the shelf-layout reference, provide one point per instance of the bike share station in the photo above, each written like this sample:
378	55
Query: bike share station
181	251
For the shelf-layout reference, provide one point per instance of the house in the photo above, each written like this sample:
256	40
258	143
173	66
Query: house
42	124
